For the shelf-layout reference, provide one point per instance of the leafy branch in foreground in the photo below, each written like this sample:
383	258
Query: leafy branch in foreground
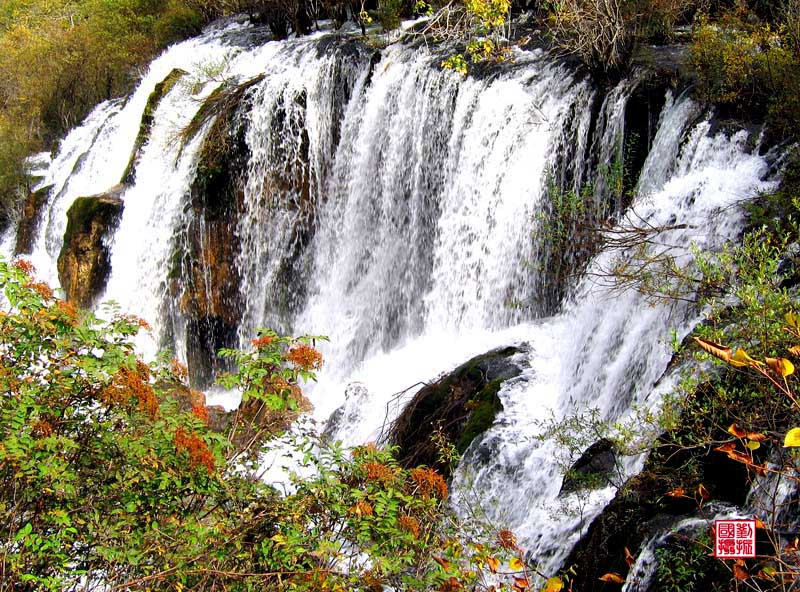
106	483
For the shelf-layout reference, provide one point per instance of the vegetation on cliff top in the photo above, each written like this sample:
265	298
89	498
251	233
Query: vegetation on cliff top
58	59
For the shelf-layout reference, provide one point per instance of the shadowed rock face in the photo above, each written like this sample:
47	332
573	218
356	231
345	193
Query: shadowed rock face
29	222
84	263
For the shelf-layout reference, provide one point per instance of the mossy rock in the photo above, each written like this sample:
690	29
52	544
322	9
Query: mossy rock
29	222
84	263
461	405
594	469
148	118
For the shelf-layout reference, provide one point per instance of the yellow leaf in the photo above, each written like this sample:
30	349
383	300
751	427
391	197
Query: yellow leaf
740	358
612	577
780	366
493	564
753	445
554	584
792	438
792	320
516	564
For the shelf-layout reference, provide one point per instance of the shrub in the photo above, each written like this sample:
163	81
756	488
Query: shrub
106	483
754	70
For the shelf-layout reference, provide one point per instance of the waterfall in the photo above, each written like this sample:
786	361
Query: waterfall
396	208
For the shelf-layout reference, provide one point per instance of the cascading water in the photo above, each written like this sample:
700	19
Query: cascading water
394	207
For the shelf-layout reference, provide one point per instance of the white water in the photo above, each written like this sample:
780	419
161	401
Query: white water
422	190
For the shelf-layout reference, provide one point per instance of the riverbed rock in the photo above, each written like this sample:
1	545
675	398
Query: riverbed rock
84	263
461	406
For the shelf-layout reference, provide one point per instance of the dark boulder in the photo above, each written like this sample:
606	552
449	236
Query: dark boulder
461	406
595	468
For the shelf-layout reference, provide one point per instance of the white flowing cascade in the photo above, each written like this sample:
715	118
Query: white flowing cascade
426	188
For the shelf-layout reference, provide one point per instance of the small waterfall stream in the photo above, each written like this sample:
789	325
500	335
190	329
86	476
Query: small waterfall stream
394	207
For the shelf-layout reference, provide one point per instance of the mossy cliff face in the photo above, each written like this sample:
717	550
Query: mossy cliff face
204	276
84	263
148	118
461	406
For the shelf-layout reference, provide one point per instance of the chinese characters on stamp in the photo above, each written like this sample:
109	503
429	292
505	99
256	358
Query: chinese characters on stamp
734	539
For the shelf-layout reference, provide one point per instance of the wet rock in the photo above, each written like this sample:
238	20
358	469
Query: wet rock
84	263
595	468
29	222
461	406
204	276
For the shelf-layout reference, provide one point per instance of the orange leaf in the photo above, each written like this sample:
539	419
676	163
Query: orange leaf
739	457
740	573
443	562
727	447
629	558
756	437
521	584
677	492
715	349
612	577
795	350
760	524
493	564
704	493
737	431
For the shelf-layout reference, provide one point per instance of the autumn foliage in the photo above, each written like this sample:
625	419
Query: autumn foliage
106	477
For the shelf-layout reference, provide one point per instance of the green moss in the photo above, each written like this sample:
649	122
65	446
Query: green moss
148	118
85	211
485	406
460	406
